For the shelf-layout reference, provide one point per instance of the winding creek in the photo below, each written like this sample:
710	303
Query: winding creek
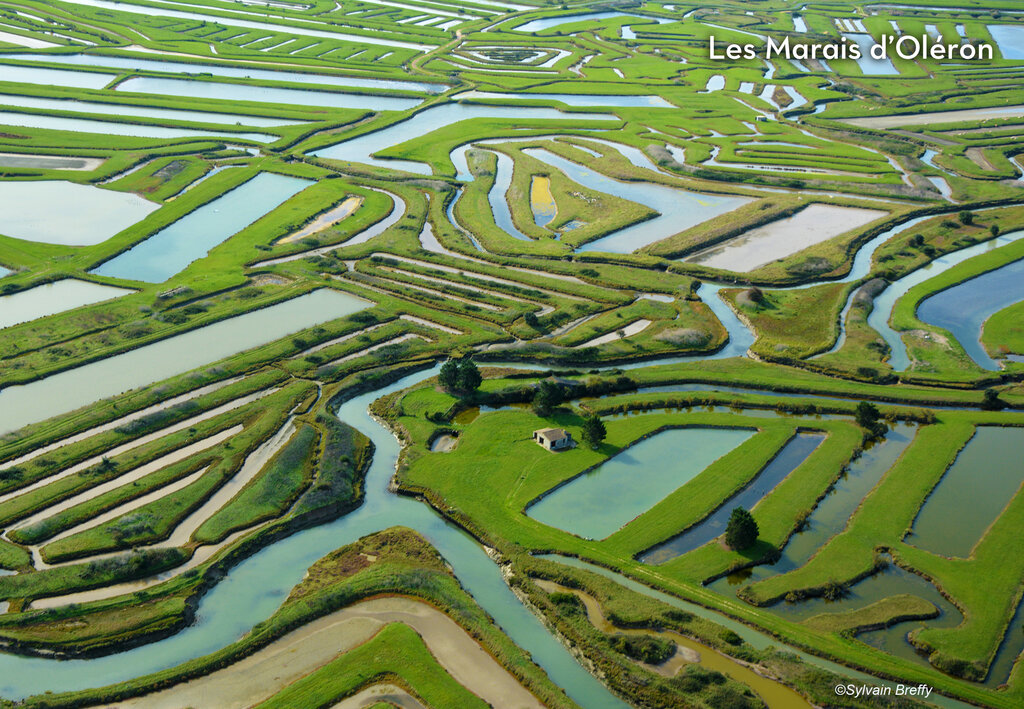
983	302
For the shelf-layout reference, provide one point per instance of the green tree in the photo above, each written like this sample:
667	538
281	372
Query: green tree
867	414
468	378
994	230
741	532
870	419
548	396
593	431
966	217
990	401
449	375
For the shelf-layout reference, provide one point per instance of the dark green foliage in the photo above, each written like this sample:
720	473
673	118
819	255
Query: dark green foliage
460	375
448	377
567	603
469	378
336	485
695	678
991	402
966	217
548	396
869	418
741	532
645	648
593	431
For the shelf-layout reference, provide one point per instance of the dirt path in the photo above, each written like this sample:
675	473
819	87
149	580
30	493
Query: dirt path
302	651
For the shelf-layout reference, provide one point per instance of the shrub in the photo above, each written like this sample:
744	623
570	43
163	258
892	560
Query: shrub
741	532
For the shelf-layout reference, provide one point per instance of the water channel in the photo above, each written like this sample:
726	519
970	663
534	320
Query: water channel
964	308
984	302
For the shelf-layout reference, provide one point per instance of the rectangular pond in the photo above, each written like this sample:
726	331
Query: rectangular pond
1010	39
599	502
868	65
174	247
573	99
776	240
236	72
72	389
547	23
55	77
134	130
49	162
87	215
52	298
973	492
934	117
124	109
264	94
792	455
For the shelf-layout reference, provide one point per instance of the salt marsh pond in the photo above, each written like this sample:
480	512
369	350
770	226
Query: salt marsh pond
87	215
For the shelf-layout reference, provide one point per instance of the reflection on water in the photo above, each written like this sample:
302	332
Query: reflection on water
793	454
88	215
174	247
596	504
988	472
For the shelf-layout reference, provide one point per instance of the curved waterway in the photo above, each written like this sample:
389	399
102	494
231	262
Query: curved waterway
964	308
677	209
254	589
983	302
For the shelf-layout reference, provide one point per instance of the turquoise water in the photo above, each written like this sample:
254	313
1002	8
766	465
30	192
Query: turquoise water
52	298
548	23
677	209
867	64
598	503
987	473
134	130
831	515
55	77
785	461
124	109
1010	39
363	147
236	72
573	99
884	303
964	308
264	94
255	588
174	247
60	393
496	198
88	215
